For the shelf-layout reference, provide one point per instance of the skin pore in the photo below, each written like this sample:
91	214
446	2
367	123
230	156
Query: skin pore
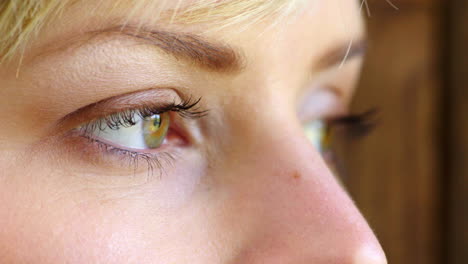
238	182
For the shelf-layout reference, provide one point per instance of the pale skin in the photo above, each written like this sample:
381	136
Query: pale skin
246	186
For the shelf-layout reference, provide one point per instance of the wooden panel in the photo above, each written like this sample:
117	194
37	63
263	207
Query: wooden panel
457	106
394	174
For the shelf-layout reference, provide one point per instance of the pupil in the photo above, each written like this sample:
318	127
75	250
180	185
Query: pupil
156	120
155	130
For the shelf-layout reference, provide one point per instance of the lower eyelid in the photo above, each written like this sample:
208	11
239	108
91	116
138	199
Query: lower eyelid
151	161
90	151
107	148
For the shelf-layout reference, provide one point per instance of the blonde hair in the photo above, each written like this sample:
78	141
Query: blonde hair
21	20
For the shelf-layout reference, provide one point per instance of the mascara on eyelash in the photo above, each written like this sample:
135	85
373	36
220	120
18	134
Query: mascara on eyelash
356	126
135	158
128	118
187	108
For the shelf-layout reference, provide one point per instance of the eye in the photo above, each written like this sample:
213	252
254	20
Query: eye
133	131
155	129
351	127
318	133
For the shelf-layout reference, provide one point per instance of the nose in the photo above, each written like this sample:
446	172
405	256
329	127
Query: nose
297	210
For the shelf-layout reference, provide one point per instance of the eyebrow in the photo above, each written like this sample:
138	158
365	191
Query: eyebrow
341	53
192	48
221	57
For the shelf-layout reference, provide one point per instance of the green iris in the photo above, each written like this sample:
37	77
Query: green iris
155	129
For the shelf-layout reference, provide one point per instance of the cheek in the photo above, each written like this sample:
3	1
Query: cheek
51	217
38	230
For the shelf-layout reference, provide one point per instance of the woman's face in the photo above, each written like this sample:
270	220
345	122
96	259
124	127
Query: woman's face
92	171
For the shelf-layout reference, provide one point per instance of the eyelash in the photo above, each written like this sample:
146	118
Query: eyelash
355	126
351	127
187	109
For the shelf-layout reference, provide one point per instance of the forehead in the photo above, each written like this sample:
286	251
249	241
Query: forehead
340	15
318	21
194	11
219	12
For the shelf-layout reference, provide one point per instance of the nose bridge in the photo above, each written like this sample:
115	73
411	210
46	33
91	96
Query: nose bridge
300	208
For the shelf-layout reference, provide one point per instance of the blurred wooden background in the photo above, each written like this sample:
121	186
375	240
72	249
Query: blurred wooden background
409	177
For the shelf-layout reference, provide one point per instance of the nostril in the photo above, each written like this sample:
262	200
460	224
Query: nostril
368	255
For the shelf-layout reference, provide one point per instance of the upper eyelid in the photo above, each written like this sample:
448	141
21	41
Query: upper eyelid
187	109
161	97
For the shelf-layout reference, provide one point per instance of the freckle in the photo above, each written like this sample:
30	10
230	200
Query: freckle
296	175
